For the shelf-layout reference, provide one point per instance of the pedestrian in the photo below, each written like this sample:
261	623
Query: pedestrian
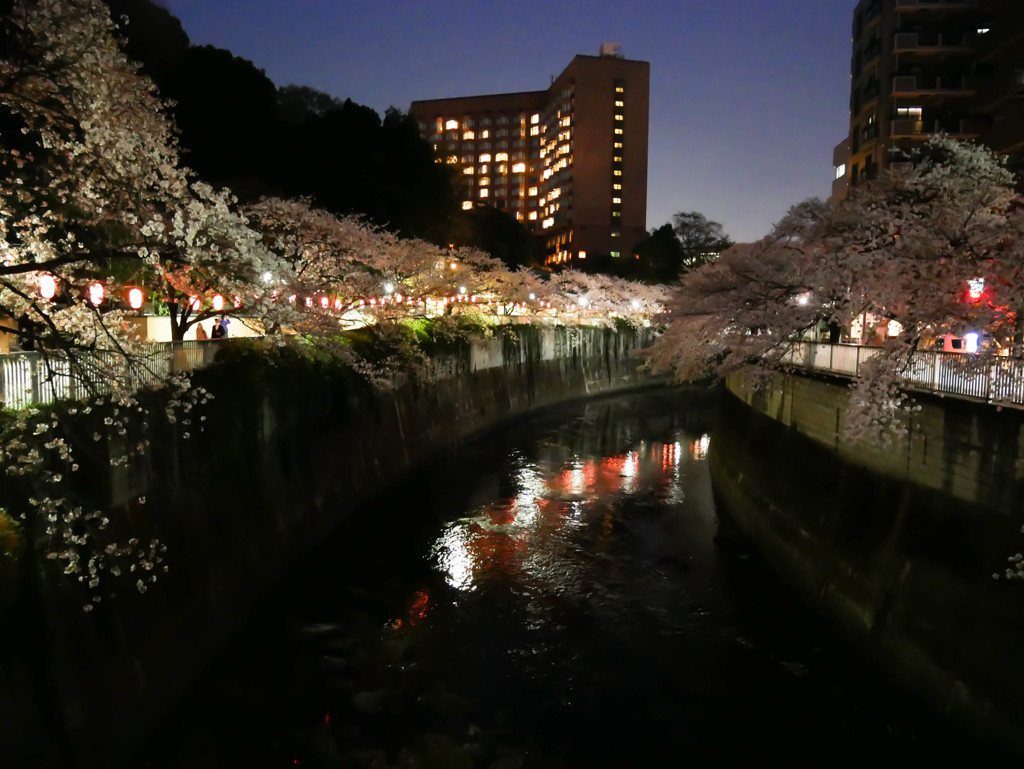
219	330
201	334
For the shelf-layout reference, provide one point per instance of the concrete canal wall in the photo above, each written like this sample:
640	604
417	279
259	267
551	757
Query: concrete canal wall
897	544
288	451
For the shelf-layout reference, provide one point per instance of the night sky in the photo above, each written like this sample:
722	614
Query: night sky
748	97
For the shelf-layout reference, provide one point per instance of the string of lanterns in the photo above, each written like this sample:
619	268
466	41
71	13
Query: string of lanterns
96	292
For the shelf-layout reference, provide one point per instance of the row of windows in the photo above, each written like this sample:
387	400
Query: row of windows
454	124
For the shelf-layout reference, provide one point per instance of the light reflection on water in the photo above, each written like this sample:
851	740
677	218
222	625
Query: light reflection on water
530	538
551	597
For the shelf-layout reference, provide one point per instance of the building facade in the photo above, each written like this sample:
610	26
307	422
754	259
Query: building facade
569	162
923	67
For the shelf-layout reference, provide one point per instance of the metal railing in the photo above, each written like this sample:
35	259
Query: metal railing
36	378
951	373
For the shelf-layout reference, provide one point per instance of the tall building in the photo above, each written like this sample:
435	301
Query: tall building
922	67
570	162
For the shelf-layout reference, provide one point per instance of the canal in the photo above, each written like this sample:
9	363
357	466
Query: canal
553	594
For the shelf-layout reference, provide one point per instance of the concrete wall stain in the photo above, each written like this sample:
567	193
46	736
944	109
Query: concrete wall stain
895	544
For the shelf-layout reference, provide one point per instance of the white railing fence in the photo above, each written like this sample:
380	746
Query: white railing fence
36	378
950	373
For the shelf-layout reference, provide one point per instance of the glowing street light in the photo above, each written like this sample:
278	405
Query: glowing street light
388	288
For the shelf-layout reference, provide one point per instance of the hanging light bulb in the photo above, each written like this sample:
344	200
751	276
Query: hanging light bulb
135	298
96	293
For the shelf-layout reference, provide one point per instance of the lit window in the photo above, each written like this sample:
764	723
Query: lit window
467	204
452	125
534	119
451	160
616	213
618	130
565	122
617	172
467	170
485	158
484	193
617	201
914	113
616	186
583	254
532	191
501	156
468	135
519	168
617	145
615	253
484	181
983	30
550	222
619	117
502	168
483	169
535	131
617	159
619	103
841	170
619	89
485	134
616	234
533	216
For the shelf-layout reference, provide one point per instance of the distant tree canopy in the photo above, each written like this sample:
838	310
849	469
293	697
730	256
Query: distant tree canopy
500	235
673	249
239	130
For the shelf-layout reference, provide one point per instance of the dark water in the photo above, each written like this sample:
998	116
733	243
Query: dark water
553	595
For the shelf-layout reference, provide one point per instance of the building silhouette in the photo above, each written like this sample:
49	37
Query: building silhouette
923	67
569	162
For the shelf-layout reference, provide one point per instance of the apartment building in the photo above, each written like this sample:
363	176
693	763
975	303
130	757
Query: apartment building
570	162
921	67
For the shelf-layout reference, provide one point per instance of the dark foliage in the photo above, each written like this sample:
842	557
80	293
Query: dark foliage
239	130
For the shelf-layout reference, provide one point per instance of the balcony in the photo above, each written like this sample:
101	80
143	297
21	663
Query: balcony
909	6
957	128
933	42
999	87
1005	35
1006	134
931	85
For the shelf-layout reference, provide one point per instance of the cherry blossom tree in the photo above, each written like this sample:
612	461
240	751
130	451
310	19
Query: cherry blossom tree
92	193
904	248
